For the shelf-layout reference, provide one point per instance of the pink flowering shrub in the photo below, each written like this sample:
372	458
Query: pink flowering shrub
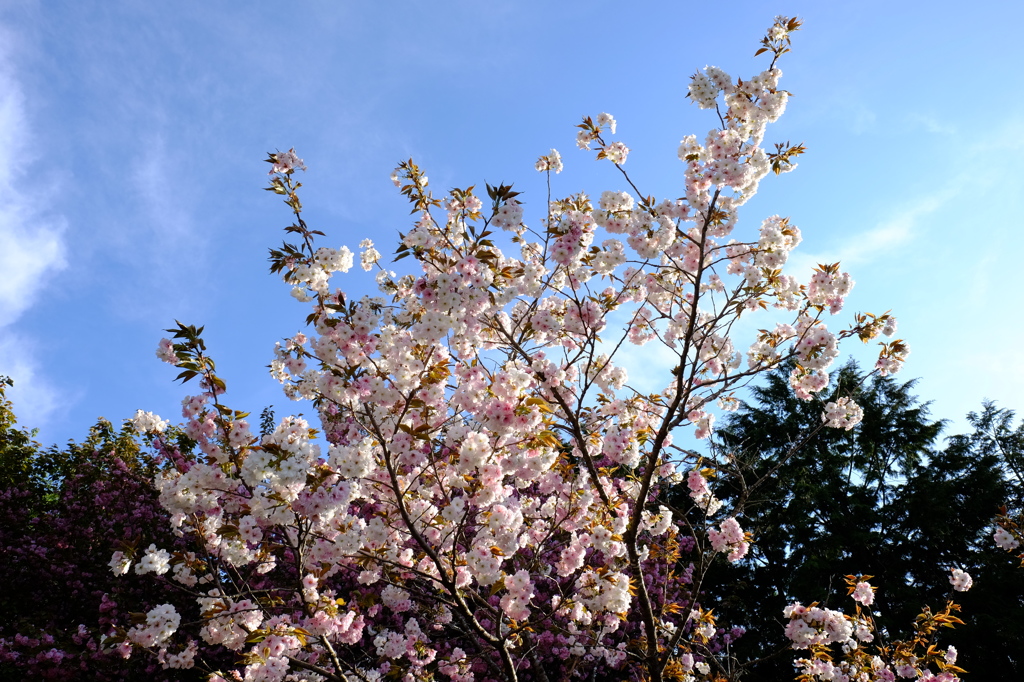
481	494
62	513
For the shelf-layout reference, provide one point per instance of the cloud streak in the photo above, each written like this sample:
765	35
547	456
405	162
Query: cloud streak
31	243
32	247
892	234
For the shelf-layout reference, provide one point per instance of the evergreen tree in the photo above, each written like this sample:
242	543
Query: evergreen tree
880	500
945	516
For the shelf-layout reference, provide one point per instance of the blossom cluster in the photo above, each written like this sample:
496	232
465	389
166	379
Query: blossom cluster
487	494
729	538
960	580
1004	539
1009	532
816	630
842	414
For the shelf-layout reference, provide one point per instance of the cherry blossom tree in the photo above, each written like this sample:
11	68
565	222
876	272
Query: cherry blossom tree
483	495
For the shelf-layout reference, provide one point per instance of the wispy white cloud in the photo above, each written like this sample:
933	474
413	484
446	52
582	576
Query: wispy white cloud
167	220
931	124
32	247
31	242
156	237
861	118
887	237
30	251
36	399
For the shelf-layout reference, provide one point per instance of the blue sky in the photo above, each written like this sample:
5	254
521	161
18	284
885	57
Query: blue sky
130	190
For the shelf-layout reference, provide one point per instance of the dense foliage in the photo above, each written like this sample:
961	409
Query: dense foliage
887	499
63	512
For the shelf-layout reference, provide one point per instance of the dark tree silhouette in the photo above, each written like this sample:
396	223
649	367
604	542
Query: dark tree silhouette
882	499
